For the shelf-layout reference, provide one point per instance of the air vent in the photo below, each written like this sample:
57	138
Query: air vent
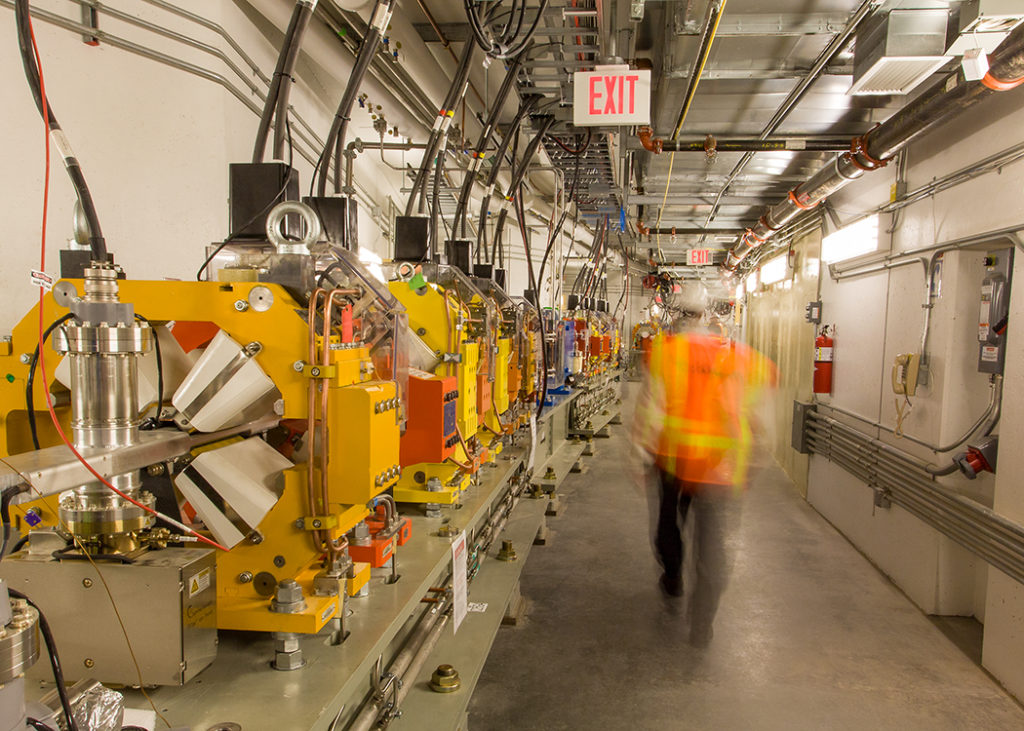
896	74
898	50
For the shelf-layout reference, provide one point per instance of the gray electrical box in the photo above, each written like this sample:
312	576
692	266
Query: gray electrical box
167	600
801	410
994	311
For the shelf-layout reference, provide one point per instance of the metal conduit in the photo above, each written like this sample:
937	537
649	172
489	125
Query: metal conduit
952	525
991	414
941	102
906	482
1003	553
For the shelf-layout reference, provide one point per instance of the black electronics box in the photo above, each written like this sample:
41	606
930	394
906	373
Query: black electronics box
574	301
254	189
339	216
531	296
74	262
483	271
457	253
412	238
499	278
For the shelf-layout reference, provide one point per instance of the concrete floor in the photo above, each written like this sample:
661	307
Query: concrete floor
809	635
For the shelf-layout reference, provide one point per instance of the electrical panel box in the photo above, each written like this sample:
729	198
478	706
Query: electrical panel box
467	414
253	188
339	216
994	311
457	253
412	238
167	600
430	430
364	436
801	412
483	395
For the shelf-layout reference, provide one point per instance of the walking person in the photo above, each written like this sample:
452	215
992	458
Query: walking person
695	425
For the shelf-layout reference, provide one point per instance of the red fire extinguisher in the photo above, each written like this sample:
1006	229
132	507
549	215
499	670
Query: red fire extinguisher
823	345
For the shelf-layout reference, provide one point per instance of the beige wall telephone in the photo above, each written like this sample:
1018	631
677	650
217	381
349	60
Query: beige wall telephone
904	373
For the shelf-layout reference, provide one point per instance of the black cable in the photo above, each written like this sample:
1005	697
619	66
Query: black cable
23	18
30	382
20	544
5	513
154	422
38	725
571	199
264	211
285	64
335	142
51	649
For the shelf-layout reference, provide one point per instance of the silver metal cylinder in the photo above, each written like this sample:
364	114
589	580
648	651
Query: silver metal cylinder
103	345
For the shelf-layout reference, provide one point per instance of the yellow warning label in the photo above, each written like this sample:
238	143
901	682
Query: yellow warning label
199	582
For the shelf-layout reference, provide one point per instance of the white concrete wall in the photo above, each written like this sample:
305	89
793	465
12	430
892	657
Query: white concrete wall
879	316
155	142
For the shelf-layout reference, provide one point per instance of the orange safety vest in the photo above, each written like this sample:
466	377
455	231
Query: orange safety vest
708	385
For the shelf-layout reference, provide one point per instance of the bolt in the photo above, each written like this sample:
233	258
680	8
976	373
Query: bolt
89	662
314	371
317	523
245	577
256	537
156	470
25	358
300	524
87	583
241	305
279	561
298	366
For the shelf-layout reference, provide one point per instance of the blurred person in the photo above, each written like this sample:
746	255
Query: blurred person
694	426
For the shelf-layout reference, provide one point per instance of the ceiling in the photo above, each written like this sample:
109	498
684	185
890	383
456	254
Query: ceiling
780	69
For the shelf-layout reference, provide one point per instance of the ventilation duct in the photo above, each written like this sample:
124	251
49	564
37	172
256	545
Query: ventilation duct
898	50
984	24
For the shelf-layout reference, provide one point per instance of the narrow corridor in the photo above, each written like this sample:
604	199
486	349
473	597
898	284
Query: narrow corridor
809	635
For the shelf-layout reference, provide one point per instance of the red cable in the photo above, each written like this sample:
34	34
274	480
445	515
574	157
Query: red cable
42	292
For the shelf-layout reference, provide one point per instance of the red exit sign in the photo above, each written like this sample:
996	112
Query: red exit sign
611	95
698	257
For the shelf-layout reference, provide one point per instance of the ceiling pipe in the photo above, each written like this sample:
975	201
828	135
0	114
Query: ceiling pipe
830	51
943	101
712	144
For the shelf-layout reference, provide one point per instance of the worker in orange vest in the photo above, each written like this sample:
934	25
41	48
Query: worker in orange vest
695	423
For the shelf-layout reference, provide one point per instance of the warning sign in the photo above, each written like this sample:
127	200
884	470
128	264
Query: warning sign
199	582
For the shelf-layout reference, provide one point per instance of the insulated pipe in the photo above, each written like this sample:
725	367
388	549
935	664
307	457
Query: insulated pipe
441	124
713	144
485	139
285	65
711	21
836	45
339	126
943	101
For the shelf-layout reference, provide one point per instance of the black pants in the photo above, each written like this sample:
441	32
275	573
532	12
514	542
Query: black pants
710	510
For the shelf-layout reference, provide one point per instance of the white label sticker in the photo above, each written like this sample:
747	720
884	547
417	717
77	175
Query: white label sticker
460	585
477	607
42	279
989	353
328	611
823	355
199	582
61	143
533	442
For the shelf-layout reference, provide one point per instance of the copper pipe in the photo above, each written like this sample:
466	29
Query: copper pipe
649	141
325	361
314	301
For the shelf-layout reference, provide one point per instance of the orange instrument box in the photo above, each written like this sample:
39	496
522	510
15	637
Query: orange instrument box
430	434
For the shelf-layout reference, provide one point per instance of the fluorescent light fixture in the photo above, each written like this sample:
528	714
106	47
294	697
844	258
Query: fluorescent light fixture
775	270
753	281
857	239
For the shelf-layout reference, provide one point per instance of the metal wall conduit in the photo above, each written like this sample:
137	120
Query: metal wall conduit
905	481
